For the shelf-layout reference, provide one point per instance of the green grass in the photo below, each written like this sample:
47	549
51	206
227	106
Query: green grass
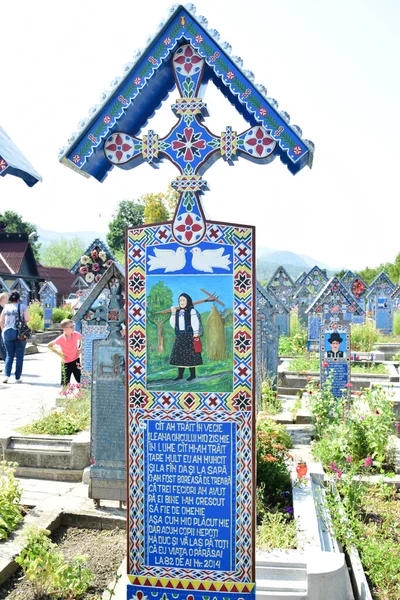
304	364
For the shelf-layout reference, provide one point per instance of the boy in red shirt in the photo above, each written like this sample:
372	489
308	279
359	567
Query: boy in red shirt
69	342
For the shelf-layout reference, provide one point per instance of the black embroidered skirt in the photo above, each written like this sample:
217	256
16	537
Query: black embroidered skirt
183	354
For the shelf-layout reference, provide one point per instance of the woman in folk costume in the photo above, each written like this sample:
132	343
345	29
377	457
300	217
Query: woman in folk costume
186	351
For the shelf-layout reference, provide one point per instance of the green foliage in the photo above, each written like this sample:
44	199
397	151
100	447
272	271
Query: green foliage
304	364
72	418
15	224
351	432
35	310
368	518
62	253
296	344
270	401
10	497
59	314
129	213
370	367
49	574
273	477
155	210
363	337
276	531
396	323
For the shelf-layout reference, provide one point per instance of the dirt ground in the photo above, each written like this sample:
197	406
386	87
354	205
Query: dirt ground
105	549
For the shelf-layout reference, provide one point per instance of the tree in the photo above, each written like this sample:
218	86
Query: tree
155	210
394	270
62	253
341	273
15	224
129	213
159	298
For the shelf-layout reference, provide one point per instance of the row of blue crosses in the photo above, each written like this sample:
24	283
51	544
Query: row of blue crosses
190	146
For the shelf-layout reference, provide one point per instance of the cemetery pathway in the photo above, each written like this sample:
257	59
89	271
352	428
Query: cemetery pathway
21	404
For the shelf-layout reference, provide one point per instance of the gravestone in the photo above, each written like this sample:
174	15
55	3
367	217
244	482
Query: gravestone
92	318
307	290
282	285
108	414
330	311
191	495
3	286
48	298
395	295
381	302
358	288
267	340
23	289
93	263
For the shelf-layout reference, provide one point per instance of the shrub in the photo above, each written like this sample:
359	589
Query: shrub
363	337
59	314
273	477
35	310
10	497
352	434
270	401
48	571
74	417
304	363
276	531
396	323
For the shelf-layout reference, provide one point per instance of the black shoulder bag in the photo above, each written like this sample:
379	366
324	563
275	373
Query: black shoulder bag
23	331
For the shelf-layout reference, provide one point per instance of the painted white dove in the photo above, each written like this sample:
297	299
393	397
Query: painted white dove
170	260
207	260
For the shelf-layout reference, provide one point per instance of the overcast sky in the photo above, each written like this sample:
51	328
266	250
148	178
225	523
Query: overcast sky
333	66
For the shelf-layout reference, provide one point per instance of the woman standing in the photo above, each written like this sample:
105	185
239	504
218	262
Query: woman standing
14	346
3	301
186	351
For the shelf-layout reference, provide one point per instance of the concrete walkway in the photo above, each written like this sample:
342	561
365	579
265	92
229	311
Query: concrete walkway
20	404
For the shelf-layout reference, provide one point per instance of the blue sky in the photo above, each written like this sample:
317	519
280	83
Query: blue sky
332	66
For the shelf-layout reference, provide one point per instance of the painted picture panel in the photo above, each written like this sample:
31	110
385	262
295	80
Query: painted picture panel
189	320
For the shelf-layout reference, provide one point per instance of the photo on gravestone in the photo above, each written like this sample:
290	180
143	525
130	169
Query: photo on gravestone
189	322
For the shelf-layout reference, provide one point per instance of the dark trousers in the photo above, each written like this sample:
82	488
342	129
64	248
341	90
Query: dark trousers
68	369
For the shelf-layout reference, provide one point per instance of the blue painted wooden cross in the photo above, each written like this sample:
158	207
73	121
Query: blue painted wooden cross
190	146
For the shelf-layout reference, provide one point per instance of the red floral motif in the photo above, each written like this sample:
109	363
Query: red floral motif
122	99
358	288
199	39
187	60
107	119
263	111
188	144
189	227
230	75
260	142
167	41
76	158
3	164
137	80
119	147
297	150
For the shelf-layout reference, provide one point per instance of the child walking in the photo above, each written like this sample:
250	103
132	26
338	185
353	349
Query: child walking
69	342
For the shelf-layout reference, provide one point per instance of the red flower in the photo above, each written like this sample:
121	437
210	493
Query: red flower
325	364
109	263
83	270
348	385
97	278
94	254
368	462
95	267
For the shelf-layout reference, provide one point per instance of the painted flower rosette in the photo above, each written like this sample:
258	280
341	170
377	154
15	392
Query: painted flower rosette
94	266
